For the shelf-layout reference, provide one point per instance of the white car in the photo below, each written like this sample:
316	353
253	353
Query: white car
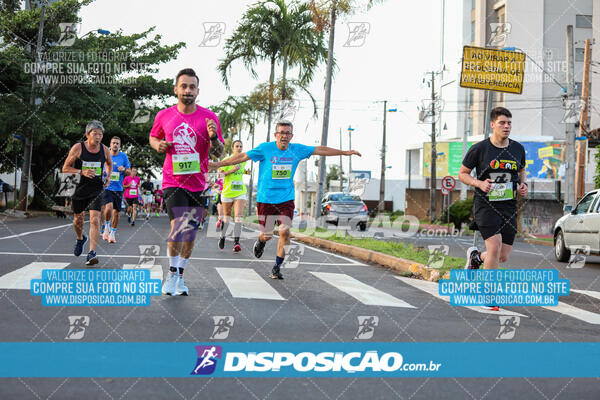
579	229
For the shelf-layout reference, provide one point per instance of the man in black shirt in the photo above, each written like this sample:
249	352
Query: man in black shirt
147	192
500	167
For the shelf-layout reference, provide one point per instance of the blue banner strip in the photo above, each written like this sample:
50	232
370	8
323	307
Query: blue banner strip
182	359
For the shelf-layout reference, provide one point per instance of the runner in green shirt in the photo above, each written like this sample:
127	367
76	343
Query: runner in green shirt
233	197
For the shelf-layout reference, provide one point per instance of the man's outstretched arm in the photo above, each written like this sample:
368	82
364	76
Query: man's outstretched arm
330	151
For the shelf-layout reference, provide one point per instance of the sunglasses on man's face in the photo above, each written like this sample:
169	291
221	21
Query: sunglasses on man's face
285	133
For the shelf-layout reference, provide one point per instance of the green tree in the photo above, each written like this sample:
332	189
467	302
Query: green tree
116	71
334	174
275	32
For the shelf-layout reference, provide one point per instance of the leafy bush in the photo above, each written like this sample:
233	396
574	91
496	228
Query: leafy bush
460	211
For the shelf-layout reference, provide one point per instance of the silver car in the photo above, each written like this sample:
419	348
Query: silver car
344	209
579	230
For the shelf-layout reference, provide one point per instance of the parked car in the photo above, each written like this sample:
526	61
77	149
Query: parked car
579	228
344	208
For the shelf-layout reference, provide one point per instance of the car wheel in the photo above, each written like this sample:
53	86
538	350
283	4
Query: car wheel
560	251
362	226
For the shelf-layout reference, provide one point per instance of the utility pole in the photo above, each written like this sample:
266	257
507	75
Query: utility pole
488	110
381	207
322	164
582	144
432	186
341	168
28	148
570	128
350	130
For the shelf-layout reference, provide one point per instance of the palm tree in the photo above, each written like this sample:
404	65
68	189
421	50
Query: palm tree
274	32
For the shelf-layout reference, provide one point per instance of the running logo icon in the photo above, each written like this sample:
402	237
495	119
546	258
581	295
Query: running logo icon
357	34
68	34
77	325
366	326
207	359
437	255
213	31
223	325
578	256
508	327
293	253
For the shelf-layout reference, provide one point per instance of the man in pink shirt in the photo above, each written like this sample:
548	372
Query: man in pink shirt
187	133
131	192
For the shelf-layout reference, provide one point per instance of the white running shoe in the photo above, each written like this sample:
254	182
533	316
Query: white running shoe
105	235
168	287
111	237
181	289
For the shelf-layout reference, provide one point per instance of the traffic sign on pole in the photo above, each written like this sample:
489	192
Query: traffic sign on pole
448	183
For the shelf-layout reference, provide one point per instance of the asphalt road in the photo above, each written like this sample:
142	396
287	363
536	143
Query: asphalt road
321	299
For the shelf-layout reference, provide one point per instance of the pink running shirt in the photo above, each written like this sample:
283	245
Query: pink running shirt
191	144
131	187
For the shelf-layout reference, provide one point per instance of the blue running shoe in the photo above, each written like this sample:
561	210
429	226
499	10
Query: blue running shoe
79	246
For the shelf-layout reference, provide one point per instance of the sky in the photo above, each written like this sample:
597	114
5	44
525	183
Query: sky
402	43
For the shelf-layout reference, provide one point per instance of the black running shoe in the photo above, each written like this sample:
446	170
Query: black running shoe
222	242
474	260
79	246
276	273
259	248
132	223
91	258
129	219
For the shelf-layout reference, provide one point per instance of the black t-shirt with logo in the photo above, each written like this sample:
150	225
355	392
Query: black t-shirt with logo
501	165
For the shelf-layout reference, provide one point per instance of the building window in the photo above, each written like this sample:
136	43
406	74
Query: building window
473	3
579	54
583	21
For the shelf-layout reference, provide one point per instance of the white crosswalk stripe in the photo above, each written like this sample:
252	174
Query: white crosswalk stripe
432	289
362	292
578	313
248	284
20	278
590	293
156	270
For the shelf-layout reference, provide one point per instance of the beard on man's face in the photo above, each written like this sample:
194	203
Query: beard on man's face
187	99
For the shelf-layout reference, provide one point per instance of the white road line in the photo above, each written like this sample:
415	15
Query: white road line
590	293
353	262
156	270
21	278
137	256
578	313
364	293
432	289
528	252
246	283
32	232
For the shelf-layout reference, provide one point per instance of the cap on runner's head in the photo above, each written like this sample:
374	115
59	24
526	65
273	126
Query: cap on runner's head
94	125
284	122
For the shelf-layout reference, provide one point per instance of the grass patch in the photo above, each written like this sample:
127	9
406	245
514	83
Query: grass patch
398	249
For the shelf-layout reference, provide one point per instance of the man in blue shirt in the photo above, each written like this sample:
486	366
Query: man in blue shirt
113	194
275	193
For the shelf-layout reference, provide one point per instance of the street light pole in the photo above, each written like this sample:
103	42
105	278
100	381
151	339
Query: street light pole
28	148
326	107
381	207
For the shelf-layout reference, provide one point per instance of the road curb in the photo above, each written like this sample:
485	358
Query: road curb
540	242
398	264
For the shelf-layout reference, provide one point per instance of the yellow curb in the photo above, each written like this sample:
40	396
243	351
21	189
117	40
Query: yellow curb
540	242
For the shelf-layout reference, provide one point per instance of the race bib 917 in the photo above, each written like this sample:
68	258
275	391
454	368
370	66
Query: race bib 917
501	192
282	171
184	164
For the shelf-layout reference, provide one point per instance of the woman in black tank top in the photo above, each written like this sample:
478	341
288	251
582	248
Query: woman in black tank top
90	187
89	190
